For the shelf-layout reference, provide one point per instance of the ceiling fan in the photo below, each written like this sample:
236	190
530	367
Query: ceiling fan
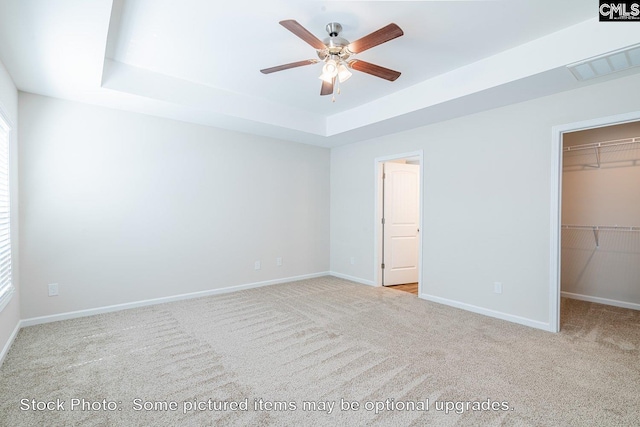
335	52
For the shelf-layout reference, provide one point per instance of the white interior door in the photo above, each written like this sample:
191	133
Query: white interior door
401	211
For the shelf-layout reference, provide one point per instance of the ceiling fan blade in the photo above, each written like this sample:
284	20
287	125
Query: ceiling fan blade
327	88
374	70
303	33
287	66
383	35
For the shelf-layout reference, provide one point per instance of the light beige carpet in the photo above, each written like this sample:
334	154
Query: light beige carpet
324	340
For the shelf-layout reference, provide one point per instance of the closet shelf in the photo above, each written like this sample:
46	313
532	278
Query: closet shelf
597	228
592	153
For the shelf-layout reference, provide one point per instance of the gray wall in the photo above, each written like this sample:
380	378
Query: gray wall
120	207
487	200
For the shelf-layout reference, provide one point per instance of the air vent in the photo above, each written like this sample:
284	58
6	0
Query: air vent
612	62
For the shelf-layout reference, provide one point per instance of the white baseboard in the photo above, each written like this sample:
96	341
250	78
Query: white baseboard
599	300
352	278
9	342
488	312
111	308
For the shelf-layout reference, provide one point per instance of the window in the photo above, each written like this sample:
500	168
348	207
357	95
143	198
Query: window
6	287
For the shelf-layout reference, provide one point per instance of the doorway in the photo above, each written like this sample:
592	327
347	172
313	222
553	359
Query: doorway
585	237
399	222
600	229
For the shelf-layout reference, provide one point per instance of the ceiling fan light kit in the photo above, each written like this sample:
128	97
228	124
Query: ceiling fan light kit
343	73
330	69
334	51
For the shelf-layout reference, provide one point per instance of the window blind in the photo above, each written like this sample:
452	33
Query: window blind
6	286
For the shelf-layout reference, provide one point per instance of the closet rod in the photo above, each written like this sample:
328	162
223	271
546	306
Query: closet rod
597	228
604	144
600	227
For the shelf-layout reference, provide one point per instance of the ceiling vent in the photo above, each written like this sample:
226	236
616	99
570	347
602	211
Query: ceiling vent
602	65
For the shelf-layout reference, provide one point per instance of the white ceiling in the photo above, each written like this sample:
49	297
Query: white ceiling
199	61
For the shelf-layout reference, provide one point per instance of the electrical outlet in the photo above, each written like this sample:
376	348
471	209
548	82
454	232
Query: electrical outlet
256	265
497	287
279	261
53	289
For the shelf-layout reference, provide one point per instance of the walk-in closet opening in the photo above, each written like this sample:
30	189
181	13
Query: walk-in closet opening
600	222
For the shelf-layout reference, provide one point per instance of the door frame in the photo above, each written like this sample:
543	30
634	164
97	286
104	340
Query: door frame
557	133
377	217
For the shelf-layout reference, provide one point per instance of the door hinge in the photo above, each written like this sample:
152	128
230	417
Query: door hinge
383	265
382	221
384	175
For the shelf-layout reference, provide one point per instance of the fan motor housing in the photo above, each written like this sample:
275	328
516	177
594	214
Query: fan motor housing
336	45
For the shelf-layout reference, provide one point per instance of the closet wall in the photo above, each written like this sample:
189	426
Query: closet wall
601	188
